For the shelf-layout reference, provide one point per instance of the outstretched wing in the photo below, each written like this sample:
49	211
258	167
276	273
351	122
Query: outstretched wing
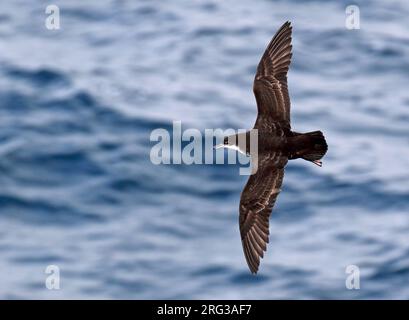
270	82
256	203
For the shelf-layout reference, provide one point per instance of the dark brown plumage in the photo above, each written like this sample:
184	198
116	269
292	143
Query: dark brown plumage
276	145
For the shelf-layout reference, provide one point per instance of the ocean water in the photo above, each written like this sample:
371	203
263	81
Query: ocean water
78	189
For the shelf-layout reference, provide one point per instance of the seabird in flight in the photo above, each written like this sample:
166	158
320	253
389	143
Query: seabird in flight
277	144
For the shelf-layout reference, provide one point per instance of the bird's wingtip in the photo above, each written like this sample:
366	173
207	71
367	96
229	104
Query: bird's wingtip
254	270
287	25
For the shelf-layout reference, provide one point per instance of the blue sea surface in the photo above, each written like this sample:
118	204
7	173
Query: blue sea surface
78	189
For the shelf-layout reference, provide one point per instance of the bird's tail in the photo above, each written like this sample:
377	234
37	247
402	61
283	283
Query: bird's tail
316	147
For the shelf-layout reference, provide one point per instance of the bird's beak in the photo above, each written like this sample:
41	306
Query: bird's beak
218	146
318	163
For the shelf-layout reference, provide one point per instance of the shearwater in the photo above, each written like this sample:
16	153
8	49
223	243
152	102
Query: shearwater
277	144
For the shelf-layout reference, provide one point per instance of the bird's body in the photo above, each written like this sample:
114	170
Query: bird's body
276	144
